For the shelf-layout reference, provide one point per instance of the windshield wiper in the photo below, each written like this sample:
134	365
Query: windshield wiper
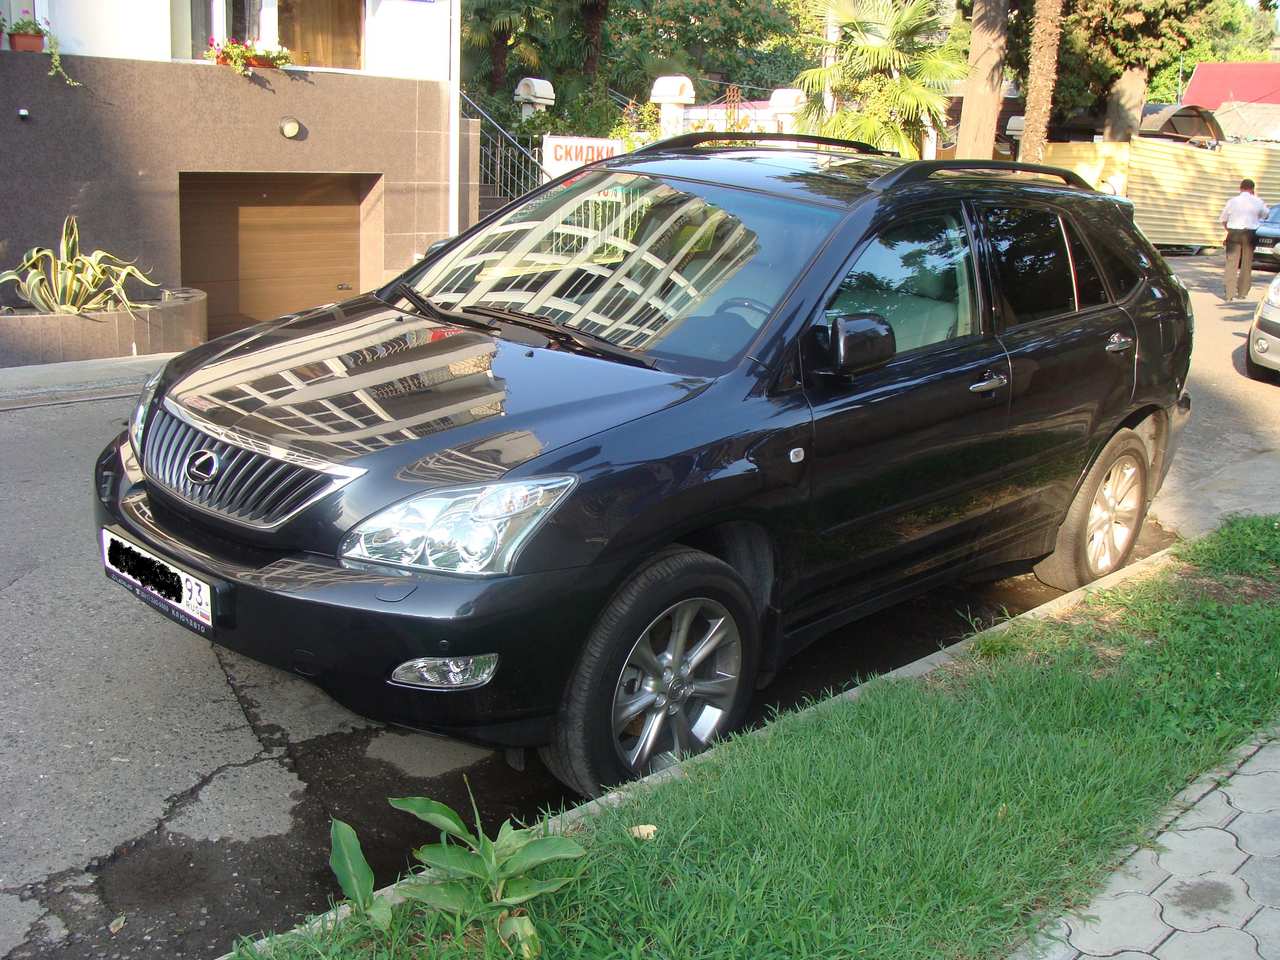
433	311
581	338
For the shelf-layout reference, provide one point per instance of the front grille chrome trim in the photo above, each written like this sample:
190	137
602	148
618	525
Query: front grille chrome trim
261	487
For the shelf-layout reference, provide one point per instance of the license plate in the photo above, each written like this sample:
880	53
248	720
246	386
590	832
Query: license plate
174	592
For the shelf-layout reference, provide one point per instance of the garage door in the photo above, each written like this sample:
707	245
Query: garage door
263	245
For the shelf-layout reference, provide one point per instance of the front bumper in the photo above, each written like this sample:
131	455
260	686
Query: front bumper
347	629
1265	330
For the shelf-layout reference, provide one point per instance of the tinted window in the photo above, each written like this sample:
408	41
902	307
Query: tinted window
1124	256
1032	269
687	272
1090	290
918	275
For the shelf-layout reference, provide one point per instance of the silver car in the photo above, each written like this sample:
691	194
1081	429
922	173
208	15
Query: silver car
1262	359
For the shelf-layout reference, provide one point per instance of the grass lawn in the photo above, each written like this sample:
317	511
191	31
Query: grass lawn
937	817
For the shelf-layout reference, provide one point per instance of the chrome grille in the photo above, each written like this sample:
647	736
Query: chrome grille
249	488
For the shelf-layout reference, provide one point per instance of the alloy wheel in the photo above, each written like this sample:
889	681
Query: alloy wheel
678	685
1113	516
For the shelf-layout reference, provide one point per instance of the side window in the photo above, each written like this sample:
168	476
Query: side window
918	275
1029	254
1124	257
1090	290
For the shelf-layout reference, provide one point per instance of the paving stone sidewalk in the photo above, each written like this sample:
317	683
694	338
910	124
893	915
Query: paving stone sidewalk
1208	889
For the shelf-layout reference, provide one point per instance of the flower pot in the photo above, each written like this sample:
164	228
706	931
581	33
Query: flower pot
260	62
26	42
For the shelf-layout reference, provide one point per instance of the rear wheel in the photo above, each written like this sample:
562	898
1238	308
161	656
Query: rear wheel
669	668
1105	517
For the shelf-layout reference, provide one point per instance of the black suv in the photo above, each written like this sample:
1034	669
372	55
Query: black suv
584	477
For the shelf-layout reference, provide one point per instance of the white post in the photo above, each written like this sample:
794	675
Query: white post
672	95
785	104
829	56
455	109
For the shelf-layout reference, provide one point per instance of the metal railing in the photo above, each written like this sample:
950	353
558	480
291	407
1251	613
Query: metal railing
508	167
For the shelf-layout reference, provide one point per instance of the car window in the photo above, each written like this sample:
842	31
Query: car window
1032	269
1274	215
1090	290
918	276
682	271
1123	257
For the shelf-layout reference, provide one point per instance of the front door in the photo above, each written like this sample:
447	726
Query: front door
903	454
1071	348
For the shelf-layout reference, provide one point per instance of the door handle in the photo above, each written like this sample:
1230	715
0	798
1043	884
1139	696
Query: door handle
1119	343
993	382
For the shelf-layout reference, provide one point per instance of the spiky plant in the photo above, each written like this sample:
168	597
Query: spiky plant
889	73
71	282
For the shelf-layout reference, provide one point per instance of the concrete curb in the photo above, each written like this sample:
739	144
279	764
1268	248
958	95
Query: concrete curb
917	668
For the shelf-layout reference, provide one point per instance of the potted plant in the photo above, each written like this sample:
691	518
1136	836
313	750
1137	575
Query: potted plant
241	56
26	34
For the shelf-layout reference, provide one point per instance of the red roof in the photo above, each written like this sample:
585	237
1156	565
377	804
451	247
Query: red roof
1213	83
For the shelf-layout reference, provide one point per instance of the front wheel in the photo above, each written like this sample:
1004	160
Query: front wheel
669	667
1105	517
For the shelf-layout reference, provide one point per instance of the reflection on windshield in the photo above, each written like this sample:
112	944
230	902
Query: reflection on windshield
647	264
344	390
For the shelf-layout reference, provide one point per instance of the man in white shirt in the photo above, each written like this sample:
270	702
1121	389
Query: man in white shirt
1241	217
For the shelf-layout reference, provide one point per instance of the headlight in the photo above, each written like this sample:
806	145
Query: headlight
1273	293
139	419
476	530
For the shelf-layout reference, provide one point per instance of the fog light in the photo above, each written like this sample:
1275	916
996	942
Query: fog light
447	673
1261	346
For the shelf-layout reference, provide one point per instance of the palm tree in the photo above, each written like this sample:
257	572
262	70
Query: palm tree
1042	77
593	13
499	27
888	77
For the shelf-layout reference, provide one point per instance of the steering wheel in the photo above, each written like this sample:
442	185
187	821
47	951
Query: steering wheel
744	303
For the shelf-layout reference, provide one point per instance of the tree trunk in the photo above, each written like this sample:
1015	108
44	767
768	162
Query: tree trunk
1042	77
499	41
984	91
1124	105
594	13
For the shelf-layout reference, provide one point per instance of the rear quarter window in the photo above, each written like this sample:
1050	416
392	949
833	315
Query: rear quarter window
1127	256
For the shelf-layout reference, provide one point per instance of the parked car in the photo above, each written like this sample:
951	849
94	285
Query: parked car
1268	233
588	474
1262	351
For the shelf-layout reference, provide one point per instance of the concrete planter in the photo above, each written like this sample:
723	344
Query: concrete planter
177	322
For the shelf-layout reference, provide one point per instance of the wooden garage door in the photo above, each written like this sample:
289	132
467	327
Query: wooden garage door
263	245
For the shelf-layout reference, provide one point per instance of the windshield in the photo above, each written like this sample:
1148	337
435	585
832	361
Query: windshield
685	272
1274	215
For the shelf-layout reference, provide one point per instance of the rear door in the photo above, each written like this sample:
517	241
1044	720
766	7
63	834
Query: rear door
1071	350
903	454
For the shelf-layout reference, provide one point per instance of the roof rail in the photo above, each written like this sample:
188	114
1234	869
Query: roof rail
710	136
918	170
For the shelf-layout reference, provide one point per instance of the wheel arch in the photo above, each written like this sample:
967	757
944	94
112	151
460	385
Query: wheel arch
1151	424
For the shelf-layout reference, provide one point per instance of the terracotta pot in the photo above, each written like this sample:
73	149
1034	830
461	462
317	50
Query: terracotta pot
26	42
260	62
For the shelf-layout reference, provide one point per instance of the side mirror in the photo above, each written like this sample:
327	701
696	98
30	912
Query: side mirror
861	341
436	247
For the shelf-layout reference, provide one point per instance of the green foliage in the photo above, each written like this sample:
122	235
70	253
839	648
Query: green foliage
32	27
71	282
1244	546
1230	30
638	125
469	875
890	76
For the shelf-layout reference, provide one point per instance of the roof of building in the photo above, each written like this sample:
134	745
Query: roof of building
1250	121
1214	83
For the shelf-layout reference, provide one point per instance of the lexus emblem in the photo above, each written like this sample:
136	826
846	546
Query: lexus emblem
203	466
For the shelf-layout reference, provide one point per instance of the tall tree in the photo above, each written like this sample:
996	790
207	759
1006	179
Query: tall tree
889	76
984	90
594	13
500	28
1042	78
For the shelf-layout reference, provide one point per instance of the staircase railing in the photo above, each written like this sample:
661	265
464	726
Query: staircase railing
508	167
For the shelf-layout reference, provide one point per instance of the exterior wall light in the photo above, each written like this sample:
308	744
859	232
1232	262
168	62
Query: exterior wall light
290	127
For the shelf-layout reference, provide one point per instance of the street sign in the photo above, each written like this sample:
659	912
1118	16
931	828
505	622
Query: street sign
562	154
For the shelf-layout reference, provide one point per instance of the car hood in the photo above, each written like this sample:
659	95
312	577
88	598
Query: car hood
363	383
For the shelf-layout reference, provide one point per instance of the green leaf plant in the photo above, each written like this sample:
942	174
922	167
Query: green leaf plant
71	282
468	875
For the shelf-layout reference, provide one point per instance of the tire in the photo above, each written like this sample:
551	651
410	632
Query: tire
1079	558
589	750
1255	370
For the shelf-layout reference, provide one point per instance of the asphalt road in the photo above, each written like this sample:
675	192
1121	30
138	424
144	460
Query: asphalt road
149	777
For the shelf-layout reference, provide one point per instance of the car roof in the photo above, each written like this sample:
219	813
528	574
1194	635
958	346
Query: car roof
839	178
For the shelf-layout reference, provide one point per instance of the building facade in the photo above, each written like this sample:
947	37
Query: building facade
272	193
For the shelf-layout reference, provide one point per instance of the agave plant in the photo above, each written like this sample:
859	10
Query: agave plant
70	282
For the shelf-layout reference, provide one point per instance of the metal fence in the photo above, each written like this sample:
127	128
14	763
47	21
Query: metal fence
510	166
